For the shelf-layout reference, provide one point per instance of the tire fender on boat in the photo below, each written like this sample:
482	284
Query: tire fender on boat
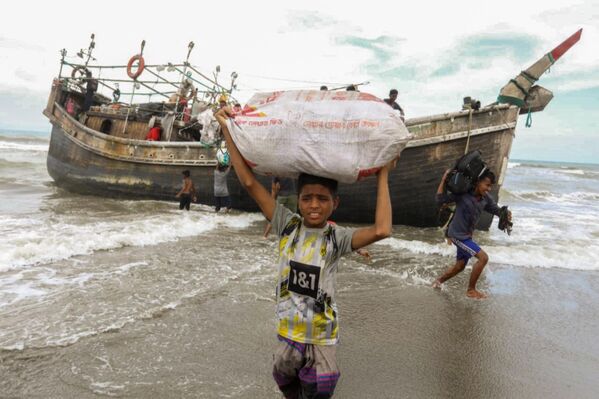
140	66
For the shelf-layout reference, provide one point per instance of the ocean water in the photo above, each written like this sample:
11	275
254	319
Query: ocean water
76	270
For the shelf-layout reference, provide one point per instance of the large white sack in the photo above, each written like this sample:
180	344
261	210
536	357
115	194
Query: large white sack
342	135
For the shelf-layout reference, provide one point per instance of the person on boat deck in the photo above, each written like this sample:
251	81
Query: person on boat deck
469	207
187	193
392	102
222	101
154	133
222	199
305	363
237	109
90	90
282	189
116	93
185	92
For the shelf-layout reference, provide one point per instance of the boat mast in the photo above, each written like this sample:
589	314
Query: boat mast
215	74
141	52
186	64
63	53
234	76
90	49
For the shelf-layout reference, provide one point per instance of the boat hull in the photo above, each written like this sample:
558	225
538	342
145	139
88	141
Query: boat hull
79	170
85	161
414	182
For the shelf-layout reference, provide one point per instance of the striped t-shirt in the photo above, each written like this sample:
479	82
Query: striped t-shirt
308	258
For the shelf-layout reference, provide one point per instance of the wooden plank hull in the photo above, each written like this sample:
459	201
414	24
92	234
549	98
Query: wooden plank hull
79	170
86	161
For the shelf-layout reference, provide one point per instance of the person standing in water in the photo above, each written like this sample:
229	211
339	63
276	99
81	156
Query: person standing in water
469	207
221	189
187	193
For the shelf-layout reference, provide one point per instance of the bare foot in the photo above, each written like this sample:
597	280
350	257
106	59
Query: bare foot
474	294
363	252
437	284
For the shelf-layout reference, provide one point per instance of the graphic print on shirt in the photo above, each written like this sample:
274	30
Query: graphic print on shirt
303	279
306	311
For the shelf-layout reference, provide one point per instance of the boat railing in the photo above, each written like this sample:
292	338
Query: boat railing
105	137
456	114
138	83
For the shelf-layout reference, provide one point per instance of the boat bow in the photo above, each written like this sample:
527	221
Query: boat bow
522	91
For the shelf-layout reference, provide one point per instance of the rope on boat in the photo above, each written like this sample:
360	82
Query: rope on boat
529	118
469	129
505	122
311	82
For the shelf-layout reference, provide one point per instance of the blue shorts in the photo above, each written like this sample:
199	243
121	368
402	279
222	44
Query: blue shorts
466	249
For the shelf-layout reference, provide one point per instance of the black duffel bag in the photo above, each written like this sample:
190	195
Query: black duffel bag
465	173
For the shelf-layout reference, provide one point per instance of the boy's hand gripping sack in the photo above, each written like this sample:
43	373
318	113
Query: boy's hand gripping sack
340	135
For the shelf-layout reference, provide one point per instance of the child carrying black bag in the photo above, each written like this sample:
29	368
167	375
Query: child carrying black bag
469	189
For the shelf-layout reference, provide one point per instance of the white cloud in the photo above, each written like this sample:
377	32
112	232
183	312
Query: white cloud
24	75
576	84
300	42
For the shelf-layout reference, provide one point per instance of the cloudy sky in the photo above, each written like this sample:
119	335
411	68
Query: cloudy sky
435	54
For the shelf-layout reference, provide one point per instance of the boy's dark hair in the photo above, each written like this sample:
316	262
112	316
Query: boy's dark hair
393	91
324	88
186	173
305	178
487	174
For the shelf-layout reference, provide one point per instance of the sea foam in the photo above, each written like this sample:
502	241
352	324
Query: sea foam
566	254
7	145
49	240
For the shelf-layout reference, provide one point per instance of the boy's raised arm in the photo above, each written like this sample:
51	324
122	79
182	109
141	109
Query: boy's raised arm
246	177
441	196
382	227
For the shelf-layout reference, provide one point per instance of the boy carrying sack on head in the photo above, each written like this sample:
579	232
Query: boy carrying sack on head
309	250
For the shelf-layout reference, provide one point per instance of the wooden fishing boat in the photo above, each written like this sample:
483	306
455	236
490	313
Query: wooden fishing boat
101	148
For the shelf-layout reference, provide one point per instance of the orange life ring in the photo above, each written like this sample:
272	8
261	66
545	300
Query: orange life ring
140	66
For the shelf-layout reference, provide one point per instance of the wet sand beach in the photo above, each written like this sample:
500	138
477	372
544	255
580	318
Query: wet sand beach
534	337
104	297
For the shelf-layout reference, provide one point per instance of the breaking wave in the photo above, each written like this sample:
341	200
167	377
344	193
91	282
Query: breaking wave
544	195
10	145
32	241
566	254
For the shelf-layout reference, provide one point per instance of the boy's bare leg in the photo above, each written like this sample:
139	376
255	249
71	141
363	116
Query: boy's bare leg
477	269
267	230
451	272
